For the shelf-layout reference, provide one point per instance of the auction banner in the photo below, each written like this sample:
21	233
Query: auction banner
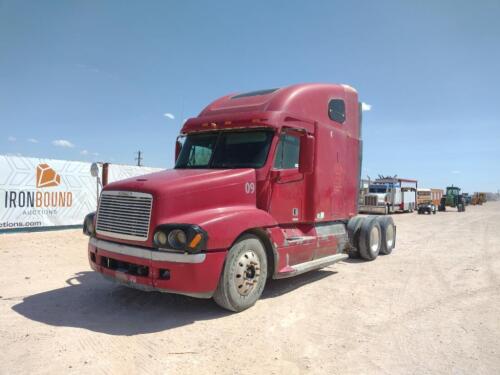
46	193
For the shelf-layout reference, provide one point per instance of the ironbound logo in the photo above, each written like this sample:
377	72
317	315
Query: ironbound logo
46	177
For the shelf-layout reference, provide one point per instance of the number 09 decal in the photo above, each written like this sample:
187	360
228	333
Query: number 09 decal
249	188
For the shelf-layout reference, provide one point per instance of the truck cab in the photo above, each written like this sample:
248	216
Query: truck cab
265	185
387	195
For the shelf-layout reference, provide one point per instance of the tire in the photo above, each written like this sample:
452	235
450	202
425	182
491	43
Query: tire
244	275
353	227
370	238
442	205
388	235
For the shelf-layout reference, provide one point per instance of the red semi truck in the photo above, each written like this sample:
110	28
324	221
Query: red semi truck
265	185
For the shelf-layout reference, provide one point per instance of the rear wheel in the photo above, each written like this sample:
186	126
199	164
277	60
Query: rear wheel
244	275
388	235
370	238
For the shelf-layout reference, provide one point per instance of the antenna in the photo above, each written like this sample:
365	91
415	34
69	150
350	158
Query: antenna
139	158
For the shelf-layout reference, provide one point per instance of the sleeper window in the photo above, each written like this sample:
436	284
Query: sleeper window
336	110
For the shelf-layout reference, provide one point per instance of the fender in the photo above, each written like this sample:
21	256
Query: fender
225	224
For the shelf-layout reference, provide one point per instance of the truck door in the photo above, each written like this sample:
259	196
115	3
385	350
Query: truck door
287	197
286	204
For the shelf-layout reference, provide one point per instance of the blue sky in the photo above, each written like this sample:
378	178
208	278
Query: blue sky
101	75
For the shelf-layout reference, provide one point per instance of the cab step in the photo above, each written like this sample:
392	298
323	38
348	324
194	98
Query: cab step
315	264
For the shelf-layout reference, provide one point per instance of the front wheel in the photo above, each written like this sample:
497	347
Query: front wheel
244	275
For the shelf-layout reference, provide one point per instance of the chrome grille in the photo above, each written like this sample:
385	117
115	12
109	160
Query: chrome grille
124	214
371	200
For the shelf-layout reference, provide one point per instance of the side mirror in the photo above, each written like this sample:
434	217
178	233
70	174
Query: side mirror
94	170
306	156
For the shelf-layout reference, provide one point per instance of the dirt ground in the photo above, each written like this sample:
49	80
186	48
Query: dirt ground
433	306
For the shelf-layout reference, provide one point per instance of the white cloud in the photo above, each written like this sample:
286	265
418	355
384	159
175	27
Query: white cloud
169	115
32	140
12	139
95	153
365	107
88	67
456	172
84	152
63	143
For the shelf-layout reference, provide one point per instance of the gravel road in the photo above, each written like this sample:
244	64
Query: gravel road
432	306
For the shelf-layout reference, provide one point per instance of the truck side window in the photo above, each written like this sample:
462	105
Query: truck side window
287	152
336	110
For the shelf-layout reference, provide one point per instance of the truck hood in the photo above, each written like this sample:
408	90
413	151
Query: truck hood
178	192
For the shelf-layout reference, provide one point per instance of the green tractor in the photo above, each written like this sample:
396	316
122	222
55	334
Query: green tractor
452	198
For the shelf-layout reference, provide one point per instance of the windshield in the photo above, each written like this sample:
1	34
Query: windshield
246	149
378	189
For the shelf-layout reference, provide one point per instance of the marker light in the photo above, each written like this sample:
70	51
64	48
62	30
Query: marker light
195	241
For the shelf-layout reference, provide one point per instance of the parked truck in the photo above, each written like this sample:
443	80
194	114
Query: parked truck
478	198
424	202
387	195
265	185
436	194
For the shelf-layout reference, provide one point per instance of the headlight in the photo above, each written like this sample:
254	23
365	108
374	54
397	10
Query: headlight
177	239
160	238
180	237
88	224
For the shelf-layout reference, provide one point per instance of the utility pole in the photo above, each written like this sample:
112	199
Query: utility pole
139	158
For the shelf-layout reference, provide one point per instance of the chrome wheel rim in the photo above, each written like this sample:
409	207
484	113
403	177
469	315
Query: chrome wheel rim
374	239
247	274
389	236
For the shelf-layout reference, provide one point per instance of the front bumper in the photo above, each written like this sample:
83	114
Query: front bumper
195	275
379	209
